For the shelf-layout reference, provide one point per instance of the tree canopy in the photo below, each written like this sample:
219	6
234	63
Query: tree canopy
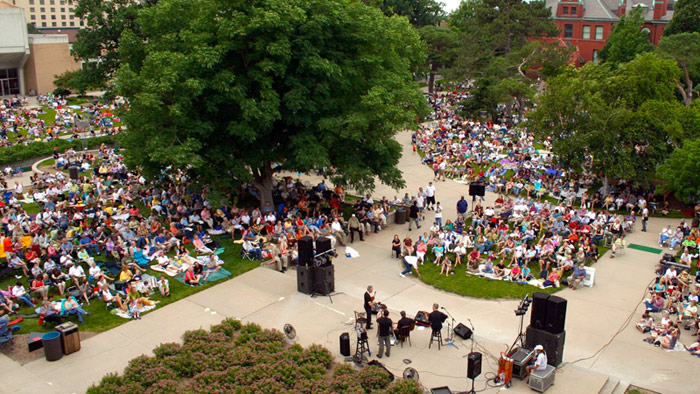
686	18
441	47
684	48
621	122
419	12
231	91
627	39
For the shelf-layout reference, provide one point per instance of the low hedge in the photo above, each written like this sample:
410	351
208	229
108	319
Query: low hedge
41	149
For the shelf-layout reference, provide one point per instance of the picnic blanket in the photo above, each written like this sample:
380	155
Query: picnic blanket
351	253
126	315
213	277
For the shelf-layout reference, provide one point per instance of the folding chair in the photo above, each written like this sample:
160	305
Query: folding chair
360	319
246	256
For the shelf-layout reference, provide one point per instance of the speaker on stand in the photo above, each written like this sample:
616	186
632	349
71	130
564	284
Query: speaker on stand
538	314
473	368
306	250
556	314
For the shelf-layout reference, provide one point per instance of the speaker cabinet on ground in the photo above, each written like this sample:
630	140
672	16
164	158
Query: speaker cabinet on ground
473	365
306	250
463	331
538	313
73	172
325	279
477	189
345	344
553	344
305	279
323	244
556	314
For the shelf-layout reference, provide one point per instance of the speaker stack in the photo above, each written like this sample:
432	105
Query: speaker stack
313	278
477	189
547	321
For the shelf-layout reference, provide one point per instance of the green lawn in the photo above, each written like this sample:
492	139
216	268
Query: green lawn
101	319
474	286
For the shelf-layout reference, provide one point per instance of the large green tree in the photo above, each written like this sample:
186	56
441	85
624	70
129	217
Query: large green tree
679	173
419	12
441	47
627	39
621	122
684	48
97	42
230	91
686	18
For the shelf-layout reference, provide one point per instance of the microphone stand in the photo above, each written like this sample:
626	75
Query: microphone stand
450	329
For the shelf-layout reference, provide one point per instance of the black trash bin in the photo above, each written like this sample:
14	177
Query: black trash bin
400	215
345	344
52	345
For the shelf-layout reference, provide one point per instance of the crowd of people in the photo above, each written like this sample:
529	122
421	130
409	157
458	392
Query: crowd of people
21	123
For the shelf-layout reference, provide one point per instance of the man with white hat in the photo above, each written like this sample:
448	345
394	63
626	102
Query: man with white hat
541	361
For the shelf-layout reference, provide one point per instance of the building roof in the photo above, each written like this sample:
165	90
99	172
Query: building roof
607	9
4	4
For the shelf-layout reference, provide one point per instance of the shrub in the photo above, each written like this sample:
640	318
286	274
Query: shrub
42	149
243	359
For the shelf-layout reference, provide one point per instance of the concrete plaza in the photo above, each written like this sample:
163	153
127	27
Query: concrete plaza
602	346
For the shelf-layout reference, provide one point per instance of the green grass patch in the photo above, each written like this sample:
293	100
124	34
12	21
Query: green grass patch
102	320
475	286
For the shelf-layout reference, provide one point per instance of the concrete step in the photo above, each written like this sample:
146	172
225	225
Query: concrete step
610	385
621	387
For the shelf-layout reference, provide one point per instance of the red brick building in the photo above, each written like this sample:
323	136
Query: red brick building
587	24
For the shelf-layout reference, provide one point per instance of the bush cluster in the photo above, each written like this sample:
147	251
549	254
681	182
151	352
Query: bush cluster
41	149
236	358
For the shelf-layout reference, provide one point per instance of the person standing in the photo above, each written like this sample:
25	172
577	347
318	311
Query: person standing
369	302
385	328
462	206
413	213
645	218
438	215
354	226
429	196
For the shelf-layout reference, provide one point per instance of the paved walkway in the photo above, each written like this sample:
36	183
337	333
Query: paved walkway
269	298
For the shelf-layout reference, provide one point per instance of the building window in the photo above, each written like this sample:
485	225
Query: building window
52	2
63	9
41	2
573	10
595	56
566	11
70	10
72	23
53	24
31	2
43	17
599	33
42	9
568	31
586	33
63	23
31	9
82	23
53	9
63	17
32	17
53	17
43	24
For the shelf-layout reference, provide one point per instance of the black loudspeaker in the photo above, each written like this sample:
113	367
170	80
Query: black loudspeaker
553	344
345	344
473	365
323	244
325	279
538	313
305	279
669	257
476	189
73	172
422	319
556	314
463	331
306	250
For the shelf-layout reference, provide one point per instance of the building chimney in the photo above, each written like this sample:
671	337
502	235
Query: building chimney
621	8
659	9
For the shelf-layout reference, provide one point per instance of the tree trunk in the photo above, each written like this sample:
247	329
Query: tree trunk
606	185
263	181
431	77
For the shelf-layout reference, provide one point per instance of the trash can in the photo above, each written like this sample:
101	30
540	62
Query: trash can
400	215
73	172
52	345
345	344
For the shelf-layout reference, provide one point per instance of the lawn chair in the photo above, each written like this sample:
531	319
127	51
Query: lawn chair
245	255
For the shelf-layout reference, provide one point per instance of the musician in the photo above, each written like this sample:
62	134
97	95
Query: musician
369	303
403	322
541	361
436	318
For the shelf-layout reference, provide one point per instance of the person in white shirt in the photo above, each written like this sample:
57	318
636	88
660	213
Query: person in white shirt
438	215
540	362
429	196
76	272
337	231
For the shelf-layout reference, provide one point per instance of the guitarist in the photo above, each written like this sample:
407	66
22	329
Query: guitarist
369	302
